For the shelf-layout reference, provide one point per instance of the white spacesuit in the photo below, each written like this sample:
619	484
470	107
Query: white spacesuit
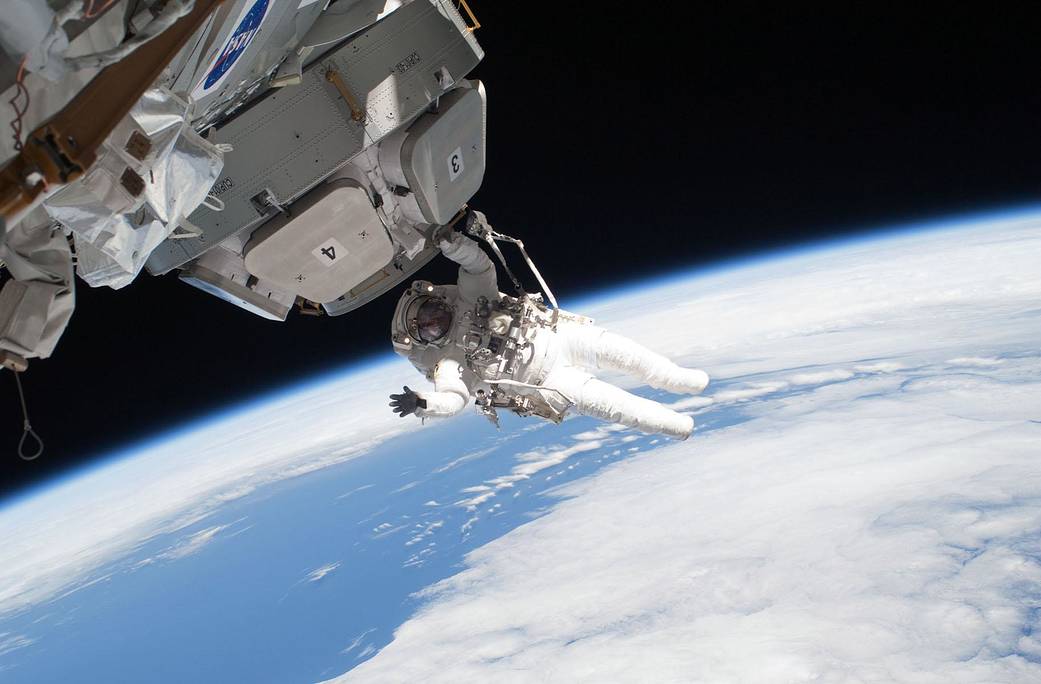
507	352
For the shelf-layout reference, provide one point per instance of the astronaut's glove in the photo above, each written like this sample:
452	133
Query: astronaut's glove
407	402
443	234
476	224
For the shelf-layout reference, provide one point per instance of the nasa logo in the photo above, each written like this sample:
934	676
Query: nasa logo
249	26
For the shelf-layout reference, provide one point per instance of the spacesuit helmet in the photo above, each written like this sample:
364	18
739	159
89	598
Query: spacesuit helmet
432	319
424	317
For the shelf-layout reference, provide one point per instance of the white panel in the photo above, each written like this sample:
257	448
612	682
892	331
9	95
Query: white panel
442	155
333	241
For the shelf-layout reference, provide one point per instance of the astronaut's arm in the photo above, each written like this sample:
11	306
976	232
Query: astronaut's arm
450	394
476	271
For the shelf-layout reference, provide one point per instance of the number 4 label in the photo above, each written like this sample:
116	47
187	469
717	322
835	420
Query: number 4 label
329	252
455	164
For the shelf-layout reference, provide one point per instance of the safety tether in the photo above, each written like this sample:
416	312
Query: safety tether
483	231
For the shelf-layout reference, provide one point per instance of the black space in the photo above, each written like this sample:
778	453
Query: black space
625	140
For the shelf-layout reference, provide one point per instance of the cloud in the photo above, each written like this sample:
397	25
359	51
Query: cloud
879	367
193	543
321	573
691	403
12	642
531	462
357	641
465	459
975	361
820	377
355	491
424	530
186	546
590	435
386	529
818	549
600	433
752	390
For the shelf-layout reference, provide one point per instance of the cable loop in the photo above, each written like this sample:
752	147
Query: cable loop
27	429
29	432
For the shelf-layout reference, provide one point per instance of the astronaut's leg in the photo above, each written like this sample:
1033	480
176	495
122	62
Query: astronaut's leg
598	399
593	347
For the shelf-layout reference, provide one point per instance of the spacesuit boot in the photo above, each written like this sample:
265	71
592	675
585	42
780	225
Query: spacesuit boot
593	347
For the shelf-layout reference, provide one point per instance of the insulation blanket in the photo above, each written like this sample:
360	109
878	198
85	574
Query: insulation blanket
151	173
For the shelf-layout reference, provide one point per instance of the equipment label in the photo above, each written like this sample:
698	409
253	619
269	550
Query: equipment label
404	65
222	186
329	252
455	163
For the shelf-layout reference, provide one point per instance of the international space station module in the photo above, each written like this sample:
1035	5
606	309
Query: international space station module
273	153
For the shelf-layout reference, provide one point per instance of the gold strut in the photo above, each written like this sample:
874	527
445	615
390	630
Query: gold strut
474	24
357	113
65	147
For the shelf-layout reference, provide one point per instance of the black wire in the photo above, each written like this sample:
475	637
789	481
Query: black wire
16	122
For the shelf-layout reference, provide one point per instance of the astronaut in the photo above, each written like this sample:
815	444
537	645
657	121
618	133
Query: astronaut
514	353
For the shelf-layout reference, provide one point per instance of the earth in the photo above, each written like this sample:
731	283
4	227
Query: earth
861	501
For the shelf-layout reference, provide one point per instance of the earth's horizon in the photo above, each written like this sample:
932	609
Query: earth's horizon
861	501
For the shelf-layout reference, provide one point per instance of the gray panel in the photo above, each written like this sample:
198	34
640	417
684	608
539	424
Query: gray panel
443	154
295	137
341	20
379	283
333	243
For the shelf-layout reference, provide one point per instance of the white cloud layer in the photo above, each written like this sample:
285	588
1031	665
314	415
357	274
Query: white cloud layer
878	524
192	543
531	463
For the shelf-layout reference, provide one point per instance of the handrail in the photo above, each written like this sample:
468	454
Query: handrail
474	23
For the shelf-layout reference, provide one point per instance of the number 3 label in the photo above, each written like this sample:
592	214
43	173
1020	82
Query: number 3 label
455	164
